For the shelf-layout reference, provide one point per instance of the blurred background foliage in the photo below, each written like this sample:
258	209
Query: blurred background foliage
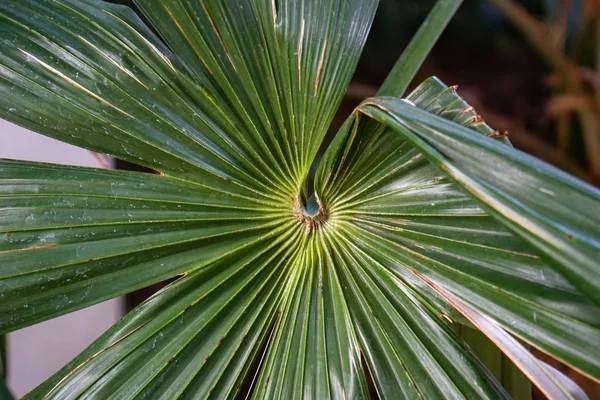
529	67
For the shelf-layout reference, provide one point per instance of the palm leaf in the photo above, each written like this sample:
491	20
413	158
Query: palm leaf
90	235
551	210
551	382
279	293
493	284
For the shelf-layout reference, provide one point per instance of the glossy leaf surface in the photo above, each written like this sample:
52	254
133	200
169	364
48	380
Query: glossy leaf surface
278	294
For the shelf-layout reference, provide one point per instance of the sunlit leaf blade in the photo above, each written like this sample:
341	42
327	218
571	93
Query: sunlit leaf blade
435	97
314	354
258	90
91	74
550	381
337	291
552	211
279	68
410	351
521	305
195	338
407	215
71	237
270	297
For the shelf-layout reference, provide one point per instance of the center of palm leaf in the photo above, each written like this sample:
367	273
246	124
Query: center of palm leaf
313	215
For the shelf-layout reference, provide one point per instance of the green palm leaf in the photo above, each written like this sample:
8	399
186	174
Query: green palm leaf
280	293
74	236
410	218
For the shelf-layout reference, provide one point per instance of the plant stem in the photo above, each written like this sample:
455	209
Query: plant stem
419	47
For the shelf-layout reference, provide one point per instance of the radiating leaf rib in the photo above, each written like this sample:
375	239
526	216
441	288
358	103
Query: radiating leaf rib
434	360
284	376
314	354
551	222
278	72
123	93
204	355
168	125
345	343
550	381
565	328
407	215
90	235
193	337
386	368
552	211
27	178
233	113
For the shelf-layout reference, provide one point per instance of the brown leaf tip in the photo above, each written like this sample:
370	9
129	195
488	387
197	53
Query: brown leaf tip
497	135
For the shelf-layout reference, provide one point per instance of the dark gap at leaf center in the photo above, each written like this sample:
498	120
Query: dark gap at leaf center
248	384
369	378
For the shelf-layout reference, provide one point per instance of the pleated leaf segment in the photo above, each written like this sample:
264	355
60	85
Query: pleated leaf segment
422	221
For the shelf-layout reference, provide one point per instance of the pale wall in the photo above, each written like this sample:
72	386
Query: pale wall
36	352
